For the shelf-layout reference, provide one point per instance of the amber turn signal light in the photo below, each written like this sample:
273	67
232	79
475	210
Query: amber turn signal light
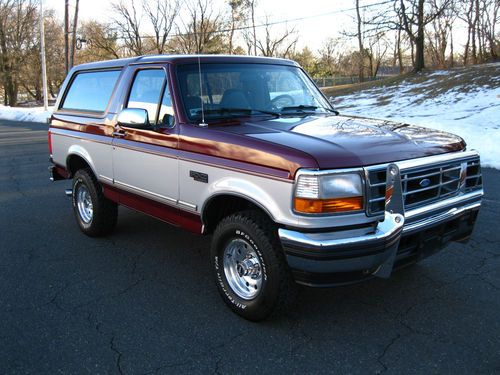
318	206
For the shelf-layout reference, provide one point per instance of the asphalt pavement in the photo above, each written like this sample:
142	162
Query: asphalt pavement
142	301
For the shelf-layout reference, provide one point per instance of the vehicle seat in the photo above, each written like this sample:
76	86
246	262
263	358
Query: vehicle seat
257	92
192	102
234	98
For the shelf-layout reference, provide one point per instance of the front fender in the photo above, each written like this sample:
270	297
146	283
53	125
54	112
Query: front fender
246	190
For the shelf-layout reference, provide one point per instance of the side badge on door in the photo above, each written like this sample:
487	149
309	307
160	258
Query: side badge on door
198	176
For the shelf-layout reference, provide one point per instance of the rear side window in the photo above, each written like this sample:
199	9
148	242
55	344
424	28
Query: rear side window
91	91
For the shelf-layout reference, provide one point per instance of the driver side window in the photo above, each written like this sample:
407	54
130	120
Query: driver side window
146	91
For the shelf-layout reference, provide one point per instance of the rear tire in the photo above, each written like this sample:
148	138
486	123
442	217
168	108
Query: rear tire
95	214
251	273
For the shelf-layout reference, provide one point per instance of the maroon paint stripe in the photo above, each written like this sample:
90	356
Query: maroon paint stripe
82	135
194	157
169	214
235	165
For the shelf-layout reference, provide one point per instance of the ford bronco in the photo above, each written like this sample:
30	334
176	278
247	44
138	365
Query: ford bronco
249	151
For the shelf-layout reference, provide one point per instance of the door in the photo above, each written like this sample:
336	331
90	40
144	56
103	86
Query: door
145	160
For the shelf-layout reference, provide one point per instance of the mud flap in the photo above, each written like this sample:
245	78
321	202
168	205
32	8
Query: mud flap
394	204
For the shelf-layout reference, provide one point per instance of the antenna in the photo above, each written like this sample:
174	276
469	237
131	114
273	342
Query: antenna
203	124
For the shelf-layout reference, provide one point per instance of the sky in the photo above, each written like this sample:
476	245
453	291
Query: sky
327	17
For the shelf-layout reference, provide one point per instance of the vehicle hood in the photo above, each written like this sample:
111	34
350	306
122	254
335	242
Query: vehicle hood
347	141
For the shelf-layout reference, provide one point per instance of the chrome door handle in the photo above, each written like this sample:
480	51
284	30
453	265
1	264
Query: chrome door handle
119	133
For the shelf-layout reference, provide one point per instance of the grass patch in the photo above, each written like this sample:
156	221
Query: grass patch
430	84
349	89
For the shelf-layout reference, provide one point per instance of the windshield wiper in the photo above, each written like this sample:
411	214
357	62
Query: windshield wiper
237	111
306	108
331	110
301	107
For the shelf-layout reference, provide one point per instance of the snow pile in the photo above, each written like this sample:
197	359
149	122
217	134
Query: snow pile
33	114
469	107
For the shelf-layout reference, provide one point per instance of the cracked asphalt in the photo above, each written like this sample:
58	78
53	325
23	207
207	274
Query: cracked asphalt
143	301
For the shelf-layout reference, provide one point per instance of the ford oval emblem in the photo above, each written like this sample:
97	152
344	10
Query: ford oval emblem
425	182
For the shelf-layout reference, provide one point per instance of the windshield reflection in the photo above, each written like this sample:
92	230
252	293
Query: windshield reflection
235	90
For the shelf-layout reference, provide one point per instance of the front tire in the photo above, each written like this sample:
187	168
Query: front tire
250	270
95	214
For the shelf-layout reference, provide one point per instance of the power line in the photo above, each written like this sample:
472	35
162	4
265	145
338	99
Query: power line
267	24
314	16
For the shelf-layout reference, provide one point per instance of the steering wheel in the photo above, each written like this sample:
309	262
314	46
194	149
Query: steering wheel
281	101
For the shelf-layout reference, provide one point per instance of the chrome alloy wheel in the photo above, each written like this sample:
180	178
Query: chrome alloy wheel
242	269
84	204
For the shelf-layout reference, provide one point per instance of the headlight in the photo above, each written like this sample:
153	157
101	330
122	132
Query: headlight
316	194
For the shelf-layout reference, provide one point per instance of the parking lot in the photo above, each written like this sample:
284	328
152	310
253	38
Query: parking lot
143	301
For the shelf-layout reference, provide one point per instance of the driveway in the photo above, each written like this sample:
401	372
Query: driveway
143	300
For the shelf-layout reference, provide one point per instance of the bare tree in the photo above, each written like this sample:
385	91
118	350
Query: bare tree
376	50
415	16
161	15
491	19
250	5
481	17
238	8
359	23
54	41
128	24
398	51
101	42
202	33
440	36
18	20
331	53
275	44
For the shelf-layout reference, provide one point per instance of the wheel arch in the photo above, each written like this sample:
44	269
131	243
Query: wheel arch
78	158
223	204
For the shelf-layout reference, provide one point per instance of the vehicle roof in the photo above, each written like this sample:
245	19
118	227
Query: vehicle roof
183	59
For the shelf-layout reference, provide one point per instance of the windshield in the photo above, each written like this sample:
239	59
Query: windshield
232	90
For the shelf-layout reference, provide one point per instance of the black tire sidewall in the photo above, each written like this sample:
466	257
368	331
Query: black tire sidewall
261	306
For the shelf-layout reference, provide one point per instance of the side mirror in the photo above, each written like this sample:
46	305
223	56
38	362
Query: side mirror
168	121
134	118
331	99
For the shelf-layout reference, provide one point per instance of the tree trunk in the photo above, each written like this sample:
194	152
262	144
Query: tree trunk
51	90
466	48
478	33
452	59
473	33
419	39
360	45
400	53
10	91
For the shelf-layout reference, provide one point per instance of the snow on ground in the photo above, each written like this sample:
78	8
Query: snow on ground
33	114
469	107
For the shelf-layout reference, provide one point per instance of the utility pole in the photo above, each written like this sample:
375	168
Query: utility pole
44	63
66	36
73	37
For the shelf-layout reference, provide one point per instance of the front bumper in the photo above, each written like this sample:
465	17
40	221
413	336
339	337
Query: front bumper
350	255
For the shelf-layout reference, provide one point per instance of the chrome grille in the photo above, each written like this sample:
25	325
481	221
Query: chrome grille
425	184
